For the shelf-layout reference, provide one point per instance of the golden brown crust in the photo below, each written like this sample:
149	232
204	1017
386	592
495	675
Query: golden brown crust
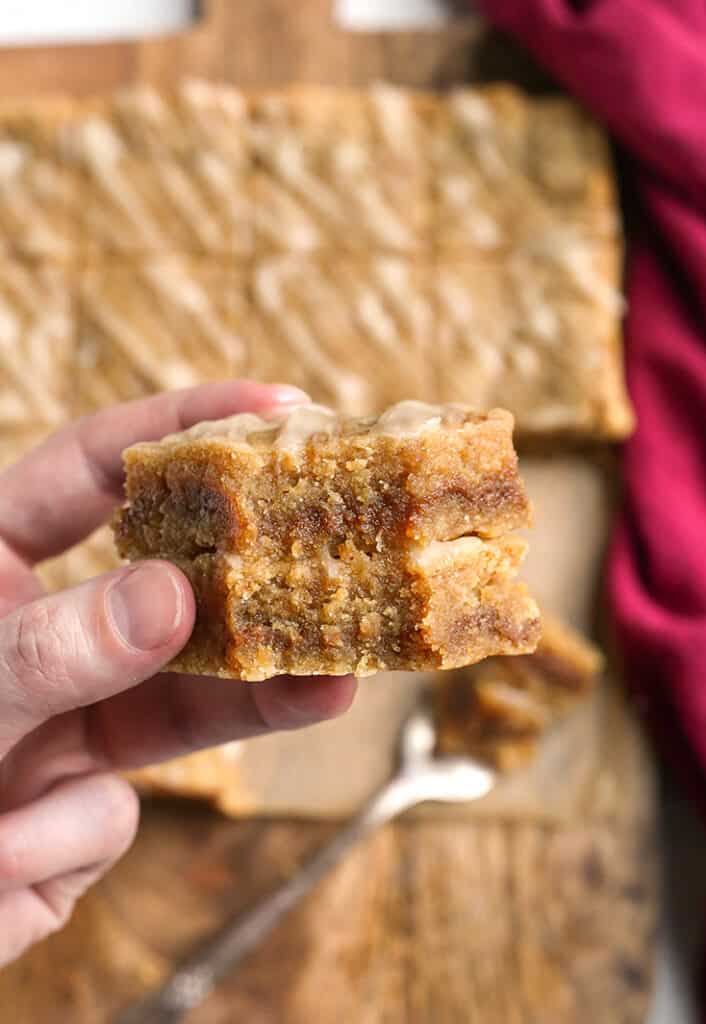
498	710
539	331
355	332
318	543
39	188
155	324
37	355
164	172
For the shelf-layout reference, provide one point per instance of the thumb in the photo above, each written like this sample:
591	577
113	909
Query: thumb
82	645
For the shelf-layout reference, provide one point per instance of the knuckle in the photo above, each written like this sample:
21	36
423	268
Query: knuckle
48	646
38	656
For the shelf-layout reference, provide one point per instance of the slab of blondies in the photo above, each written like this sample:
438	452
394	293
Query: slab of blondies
317	543
498	710
341	170
366	244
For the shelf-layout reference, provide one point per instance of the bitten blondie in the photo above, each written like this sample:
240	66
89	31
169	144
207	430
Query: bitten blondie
318	543
498	710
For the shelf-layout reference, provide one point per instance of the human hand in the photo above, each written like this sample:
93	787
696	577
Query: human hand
81	694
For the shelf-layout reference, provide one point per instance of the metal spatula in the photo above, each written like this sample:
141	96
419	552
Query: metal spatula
421	777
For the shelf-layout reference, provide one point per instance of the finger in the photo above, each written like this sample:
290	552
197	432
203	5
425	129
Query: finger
88	824
172	715
33	914
86	644
67	486
18	584
78	824
167	716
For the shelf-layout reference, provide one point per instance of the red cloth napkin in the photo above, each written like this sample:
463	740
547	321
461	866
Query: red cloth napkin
640	66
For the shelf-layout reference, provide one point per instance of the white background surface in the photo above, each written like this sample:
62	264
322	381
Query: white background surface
33	22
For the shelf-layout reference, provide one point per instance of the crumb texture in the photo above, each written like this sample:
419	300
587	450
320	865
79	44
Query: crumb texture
321	543
499	710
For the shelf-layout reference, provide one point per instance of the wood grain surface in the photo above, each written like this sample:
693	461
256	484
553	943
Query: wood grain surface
430	921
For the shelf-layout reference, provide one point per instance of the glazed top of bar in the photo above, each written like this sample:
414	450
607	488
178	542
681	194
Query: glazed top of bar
296	427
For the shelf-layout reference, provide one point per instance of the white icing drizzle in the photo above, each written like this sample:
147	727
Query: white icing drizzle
165	353
396	119
35	332
202	97
177	287
14	157
279	216
408	419
97	142
292	428
384	223
271	282
303	422
477	117
289	158
179	186
230	194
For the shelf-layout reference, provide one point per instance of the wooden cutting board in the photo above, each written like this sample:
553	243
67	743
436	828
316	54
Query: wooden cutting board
490	921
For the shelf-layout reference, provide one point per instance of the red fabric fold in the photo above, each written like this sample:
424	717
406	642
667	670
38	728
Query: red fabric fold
640	67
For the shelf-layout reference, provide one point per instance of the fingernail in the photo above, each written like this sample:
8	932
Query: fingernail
287	394
146	606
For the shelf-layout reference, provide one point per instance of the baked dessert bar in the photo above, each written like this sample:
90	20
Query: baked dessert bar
38	189
157	323
400	120
539	330
499	709
36	345
354	333
318	543
165	172
507	167
328	172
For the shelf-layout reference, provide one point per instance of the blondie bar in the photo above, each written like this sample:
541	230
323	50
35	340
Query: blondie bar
539	330
498	710
317	543
158	323
164	172
39	191
507	168
338	170
354	333
36	346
